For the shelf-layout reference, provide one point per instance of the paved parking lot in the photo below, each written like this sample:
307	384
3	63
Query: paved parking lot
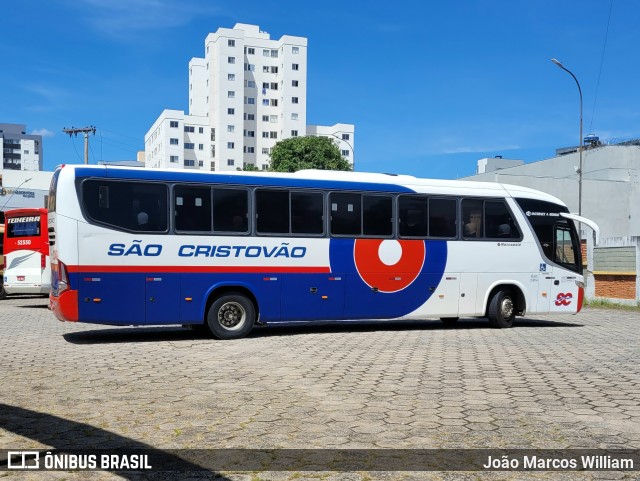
561	382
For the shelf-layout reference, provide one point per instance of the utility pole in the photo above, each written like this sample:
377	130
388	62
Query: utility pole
85	131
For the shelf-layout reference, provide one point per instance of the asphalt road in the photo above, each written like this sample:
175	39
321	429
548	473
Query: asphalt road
563	382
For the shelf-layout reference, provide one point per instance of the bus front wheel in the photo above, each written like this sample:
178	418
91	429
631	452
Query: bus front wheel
502	309
231	316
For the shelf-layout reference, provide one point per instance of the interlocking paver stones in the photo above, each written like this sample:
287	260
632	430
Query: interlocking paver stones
569	381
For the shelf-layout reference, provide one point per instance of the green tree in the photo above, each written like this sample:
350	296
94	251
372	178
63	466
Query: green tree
297	153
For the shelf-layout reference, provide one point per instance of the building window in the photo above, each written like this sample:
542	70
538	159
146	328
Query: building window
230	162
345	153
265	85
265	150
250	150
231	111
249	67
295	66
189	163
294	100
231	43
249	116
295	50
251	101
266	52
173	124
265	102
213	135
174	142
274	102
294	133
265	118
265	135
200	146
265	69
273	135
274	53
173	158
250	50
231	128
189	145
345	136
274	69
231	94
201	130
250	133
200	163
294	116
250	84
273	119
231	145
189	128
231	76
294	83
232	60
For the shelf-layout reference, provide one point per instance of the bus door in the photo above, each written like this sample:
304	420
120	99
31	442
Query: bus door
564	287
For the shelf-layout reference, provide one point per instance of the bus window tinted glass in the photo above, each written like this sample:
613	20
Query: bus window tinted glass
272	209
230	210
472	218
498	222
306	213
564	249
377	215
128	205
442	217
345	214
192	208
413	216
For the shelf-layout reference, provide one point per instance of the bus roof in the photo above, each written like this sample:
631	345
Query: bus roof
319	179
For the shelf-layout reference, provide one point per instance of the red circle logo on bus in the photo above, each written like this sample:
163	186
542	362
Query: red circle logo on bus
389	265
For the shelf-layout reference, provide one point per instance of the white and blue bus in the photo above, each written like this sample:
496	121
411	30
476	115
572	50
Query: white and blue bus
229	251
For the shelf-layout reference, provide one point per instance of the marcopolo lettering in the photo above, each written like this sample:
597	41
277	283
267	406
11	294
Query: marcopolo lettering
282	250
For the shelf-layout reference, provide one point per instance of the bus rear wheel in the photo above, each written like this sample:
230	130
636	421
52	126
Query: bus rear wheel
502	309
231	316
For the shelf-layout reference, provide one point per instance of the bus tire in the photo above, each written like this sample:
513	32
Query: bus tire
231	316
502	309
449	321
3	293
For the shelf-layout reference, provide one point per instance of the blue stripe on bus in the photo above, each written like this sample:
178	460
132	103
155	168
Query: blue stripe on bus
248	180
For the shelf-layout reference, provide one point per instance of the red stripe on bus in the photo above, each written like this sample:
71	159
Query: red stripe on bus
199	269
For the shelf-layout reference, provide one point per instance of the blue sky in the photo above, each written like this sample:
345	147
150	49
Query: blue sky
431	86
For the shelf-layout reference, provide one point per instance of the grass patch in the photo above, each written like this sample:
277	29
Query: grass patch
607	304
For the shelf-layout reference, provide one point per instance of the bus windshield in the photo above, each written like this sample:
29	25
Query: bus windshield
557	236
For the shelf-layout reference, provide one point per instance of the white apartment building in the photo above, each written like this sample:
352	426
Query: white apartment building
20	151
247	93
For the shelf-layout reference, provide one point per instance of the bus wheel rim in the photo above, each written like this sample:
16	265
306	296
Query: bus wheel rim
507	308
231	315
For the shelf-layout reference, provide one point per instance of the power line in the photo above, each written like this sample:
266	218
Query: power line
604	46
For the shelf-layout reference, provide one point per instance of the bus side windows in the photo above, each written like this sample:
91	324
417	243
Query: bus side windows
412	216
192	209
443	217
346	214
272	211
307	213
473	226
231	210
499	223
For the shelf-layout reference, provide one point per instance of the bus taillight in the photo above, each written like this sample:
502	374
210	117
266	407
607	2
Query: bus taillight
63	280
43	261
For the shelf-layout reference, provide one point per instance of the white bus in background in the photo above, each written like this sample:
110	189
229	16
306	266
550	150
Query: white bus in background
27	269
230	251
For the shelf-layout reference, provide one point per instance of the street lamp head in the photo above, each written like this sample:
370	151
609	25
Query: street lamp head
557	62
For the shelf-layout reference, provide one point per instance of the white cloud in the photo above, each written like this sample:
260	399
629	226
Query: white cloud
125	18
43	132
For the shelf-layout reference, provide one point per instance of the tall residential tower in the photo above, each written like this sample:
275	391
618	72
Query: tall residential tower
246	94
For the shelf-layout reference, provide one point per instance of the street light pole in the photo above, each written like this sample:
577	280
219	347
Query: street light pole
580	144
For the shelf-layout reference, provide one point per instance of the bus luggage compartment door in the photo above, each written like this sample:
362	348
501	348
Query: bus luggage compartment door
312	296
111	298
162	300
